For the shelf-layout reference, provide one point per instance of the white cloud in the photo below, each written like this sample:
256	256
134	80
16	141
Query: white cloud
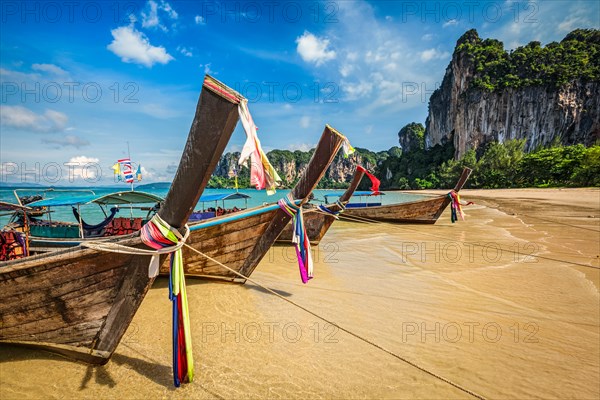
158	111
22	118
151	174
305	121
378	63
134	47
199	20
166	7
171	168
68	140
185	51
570	23
51	68
356	90
207	69
450	22
427	36
535	24
301	146
82	167
433	54
313	49
6	74
150	17
8	168
346	69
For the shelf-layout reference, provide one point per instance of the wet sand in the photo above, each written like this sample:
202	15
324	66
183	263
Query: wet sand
505	304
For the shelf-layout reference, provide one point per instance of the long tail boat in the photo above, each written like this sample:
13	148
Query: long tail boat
242	239
79	302
318	219
426	211
46	234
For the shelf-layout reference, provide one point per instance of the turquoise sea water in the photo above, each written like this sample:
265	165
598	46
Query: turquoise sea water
92	213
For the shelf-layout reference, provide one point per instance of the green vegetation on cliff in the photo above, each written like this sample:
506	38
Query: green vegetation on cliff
577	56
499	165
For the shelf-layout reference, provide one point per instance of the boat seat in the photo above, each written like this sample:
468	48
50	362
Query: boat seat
12	245
137	224
123	226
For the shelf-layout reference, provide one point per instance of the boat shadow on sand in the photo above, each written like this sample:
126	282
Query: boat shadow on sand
163	283
151	369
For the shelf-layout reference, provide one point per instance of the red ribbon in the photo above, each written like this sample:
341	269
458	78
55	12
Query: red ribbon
374	181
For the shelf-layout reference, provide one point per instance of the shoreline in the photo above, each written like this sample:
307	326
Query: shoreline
481	314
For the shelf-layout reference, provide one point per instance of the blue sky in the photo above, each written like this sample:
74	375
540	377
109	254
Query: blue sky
81	79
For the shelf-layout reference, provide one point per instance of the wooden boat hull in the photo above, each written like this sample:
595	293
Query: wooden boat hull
79	302
225	239
317	224
76	302
415	212
426	211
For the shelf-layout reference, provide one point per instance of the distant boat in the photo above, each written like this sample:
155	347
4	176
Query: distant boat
79	301
240	240
46	234
426	211
318	219
207	212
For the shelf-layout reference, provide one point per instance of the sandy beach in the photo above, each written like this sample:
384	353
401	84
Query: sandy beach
505	304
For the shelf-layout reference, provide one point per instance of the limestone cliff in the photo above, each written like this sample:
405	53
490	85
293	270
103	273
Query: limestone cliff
291	165
488	94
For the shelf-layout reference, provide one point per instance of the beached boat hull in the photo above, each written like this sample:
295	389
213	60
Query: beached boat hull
78	301
426	211
229	241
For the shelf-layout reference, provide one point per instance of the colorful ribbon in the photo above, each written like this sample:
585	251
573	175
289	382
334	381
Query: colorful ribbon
299	237
262	173
455	206
334	213
347	148
374	181
158	234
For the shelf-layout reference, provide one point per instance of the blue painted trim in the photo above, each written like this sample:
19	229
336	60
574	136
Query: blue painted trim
237	216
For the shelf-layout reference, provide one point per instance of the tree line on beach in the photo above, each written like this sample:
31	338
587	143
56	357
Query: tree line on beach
495	165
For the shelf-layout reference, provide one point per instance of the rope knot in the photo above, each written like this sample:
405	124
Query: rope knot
165	239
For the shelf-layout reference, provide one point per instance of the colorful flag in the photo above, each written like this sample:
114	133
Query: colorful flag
262	173
347	148
233	174
117	171
374	181
138	174
127	170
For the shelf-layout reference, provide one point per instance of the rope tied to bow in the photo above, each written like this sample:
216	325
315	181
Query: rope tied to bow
159	235
164	239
